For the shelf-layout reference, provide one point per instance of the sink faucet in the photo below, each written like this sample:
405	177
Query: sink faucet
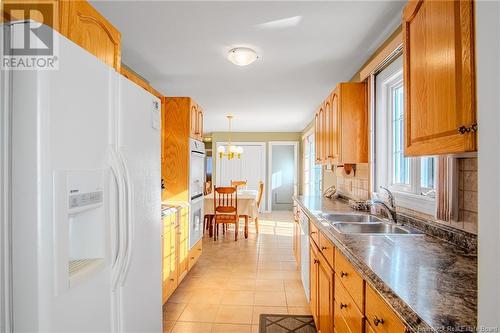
389	208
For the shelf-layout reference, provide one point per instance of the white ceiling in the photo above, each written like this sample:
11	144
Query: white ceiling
180	47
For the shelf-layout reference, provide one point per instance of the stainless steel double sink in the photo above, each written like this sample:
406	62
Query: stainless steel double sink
365	224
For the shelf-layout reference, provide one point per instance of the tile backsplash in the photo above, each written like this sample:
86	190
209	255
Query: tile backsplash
354	185
357	187
467	195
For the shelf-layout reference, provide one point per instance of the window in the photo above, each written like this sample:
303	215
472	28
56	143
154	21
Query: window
312	172
412	180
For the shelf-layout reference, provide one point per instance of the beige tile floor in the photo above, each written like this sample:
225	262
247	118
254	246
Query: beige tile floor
234	282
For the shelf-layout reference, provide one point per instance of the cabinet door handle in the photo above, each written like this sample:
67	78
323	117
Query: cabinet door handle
377	321
462	129
313	232
343	274
342	305
323	248
316	261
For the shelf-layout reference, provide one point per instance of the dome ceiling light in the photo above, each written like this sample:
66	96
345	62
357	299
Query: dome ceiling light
242	56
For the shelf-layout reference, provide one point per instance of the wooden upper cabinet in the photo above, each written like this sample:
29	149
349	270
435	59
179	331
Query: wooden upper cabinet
199	127
327	130
440	109
353	122
333	127
320	130
193	120
82	24
181	121
317	155
341	131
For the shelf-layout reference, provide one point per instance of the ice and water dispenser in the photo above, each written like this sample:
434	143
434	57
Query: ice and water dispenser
80	225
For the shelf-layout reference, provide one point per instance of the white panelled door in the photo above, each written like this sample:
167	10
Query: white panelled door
250	167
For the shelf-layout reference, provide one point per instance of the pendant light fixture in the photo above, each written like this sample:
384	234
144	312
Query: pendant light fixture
231	151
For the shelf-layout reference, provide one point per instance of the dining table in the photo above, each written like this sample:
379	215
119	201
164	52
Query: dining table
247	206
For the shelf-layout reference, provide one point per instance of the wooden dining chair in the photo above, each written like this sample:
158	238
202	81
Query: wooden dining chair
236	183
225	209
259	200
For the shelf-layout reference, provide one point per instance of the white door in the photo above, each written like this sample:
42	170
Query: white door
282	177
140	292
250	167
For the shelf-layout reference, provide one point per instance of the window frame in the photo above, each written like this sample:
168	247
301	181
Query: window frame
386	81
311	168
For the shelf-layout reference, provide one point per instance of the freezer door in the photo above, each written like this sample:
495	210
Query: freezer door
140	291
59	150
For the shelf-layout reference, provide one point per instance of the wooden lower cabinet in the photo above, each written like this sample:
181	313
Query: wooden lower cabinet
340	326
177	258
183	254
313	282
195	253
379	316
368	328
350	279
169	251
340	298
325	296
321	288
347	308
296	241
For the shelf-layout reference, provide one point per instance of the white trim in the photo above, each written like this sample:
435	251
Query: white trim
406	195
488	104
295	145
263	172
6	307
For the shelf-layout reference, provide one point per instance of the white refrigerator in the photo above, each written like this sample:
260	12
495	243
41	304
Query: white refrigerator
84	232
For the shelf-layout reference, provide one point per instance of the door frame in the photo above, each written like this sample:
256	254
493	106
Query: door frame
263	171
295	145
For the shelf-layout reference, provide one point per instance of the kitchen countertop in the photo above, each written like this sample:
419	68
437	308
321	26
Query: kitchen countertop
429	283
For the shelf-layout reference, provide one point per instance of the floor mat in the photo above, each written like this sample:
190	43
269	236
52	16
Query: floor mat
271	323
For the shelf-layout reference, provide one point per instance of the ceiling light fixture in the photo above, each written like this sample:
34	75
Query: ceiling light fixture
242	56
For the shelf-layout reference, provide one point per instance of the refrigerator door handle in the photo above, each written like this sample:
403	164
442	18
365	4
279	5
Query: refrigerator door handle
120	232
128	218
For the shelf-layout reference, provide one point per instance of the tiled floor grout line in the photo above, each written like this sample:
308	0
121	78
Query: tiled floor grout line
260	254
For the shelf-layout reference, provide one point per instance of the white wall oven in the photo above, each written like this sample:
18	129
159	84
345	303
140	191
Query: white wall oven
196	190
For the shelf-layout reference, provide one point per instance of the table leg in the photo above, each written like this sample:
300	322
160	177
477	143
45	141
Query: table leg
246	226
210	226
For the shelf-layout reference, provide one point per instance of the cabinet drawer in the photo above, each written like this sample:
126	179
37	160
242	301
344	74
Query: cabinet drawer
327	249
368	328
380	316
195	254
345	306
314	233
349	278
338	321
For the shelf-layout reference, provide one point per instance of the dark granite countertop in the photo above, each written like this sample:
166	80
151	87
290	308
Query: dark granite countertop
429	283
